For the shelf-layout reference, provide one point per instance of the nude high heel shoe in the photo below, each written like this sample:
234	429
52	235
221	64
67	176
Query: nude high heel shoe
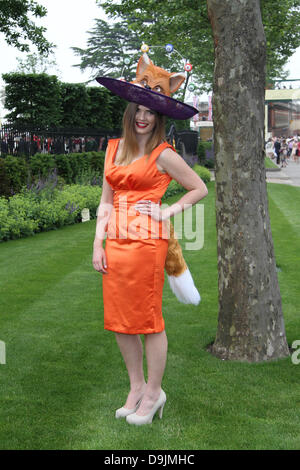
123	412
147	419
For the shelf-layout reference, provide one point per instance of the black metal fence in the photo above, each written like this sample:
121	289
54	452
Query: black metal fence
186	142
18	141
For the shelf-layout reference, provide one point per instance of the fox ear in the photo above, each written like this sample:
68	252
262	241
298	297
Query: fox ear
143	63
176	79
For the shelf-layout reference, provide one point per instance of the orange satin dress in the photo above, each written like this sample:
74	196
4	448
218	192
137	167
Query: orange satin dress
136	246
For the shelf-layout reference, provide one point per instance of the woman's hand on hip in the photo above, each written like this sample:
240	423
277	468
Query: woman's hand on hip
149	208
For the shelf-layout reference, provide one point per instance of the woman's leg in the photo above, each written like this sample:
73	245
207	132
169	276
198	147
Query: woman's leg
132	351
156	346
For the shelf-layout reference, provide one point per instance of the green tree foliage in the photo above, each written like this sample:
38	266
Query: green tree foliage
18	27
36	63
108	46
185	24
182	23
32	99
42	101
111	45
281	20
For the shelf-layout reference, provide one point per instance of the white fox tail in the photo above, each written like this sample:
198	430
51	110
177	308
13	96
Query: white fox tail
184	288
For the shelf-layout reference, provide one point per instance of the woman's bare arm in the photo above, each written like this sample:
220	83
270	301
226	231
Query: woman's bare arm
103	212
180	171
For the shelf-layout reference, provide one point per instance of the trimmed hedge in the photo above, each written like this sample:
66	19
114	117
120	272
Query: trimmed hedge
175	188
203	172
69	166
73	168
15	172
203	147
13	175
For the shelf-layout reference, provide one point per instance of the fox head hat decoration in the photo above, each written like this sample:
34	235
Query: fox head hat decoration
152	88
155	78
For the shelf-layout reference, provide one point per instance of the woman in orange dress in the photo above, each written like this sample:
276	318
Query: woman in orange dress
138	169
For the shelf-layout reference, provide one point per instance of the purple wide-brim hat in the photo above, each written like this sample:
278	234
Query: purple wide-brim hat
150	99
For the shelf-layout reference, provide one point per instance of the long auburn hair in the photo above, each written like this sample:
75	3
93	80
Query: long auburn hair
130	146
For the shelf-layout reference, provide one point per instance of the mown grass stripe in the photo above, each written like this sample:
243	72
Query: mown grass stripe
65	377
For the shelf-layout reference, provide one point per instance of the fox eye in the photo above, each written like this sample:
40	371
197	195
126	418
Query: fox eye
144	82
158	89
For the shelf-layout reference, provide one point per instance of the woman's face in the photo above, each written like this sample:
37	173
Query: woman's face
144	120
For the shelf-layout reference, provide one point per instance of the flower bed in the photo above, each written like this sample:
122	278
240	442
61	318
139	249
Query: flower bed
27	213
50	204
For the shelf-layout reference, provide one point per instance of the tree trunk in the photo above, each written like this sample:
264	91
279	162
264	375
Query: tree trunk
250	324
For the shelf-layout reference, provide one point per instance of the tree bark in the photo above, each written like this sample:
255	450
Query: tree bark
250	324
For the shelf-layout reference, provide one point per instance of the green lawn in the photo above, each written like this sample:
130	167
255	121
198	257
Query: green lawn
64	375
270	163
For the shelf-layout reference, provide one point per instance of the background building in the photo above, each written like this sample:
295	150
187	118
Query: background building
282	105
202	122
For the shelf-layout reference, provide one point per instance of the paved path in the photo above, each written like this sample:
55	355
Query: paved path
288	175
